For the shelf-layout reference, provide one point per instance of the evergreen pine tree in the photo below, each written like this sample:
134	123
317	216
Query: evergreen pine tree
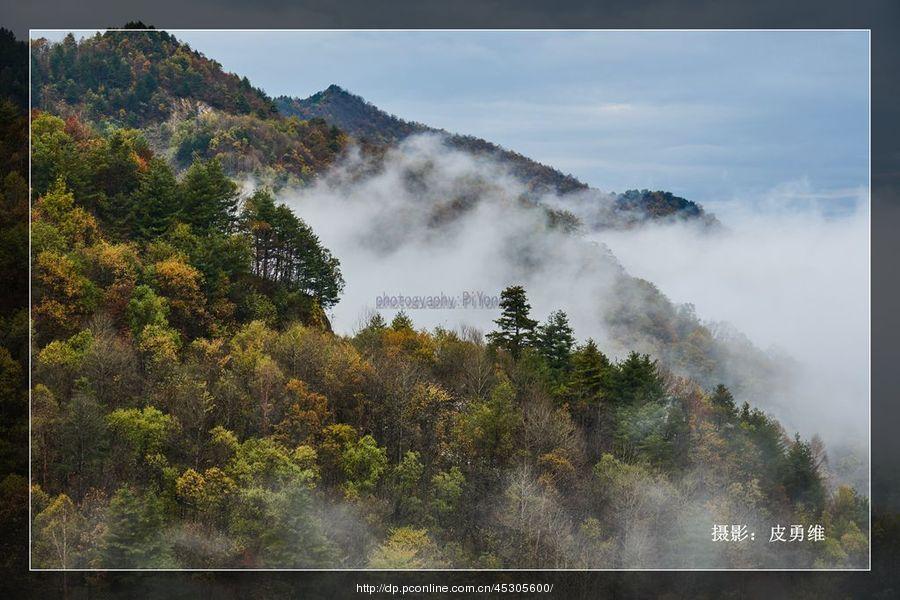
401	321
134	536
209	197
257	218
515	328
590	375
723	403
802	481
376	322
555	340
637	379
295	537
118	178
155	204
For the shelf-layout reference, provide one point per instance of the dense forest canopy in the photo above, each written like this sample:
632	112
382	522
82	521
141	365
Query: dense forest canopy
192	407
135	77
186	104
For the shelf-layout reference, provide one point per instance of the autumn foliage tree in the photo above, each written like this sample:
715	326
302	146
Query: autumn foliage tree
192	407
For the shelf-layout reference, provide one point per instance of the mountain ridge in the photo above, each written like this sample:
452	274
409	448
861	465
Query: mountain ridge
184	103
372	126
187	105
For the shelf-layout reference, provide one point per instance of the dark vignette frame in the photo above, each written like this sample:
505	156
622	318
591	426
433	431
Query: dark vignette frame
882	17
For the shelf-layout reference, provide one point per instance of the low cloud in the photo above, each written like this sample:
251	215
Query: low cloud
790	274
425	220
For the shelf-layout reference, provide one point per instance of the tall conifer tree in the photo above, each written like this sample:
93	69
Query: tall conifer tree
515	328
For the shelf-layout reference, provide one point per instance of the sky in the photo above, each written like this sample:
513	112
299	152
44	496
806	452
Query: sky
712	116
769	130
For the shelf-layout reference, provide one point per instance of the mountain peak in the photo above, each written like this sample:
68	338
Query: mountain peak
332	104
334	93
368	123
150	71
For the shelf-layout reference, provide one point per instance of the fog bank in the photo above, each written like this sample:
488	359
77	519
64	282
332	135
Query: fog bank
790	277
428	221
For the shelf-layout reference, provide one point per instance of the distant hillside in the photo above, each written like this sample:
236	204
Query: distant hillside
184	102
138	76
188	107
375	127
662	205
371	125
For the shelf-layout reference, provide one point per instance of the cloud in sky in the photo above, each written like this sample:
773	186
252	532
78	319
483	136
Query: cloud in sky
767	130
708	115
731	119
783	271
788	274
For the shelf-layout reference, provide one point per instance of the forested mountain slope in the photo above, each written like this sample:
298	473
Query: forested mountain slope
185	104
373	126
191	406
137	94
